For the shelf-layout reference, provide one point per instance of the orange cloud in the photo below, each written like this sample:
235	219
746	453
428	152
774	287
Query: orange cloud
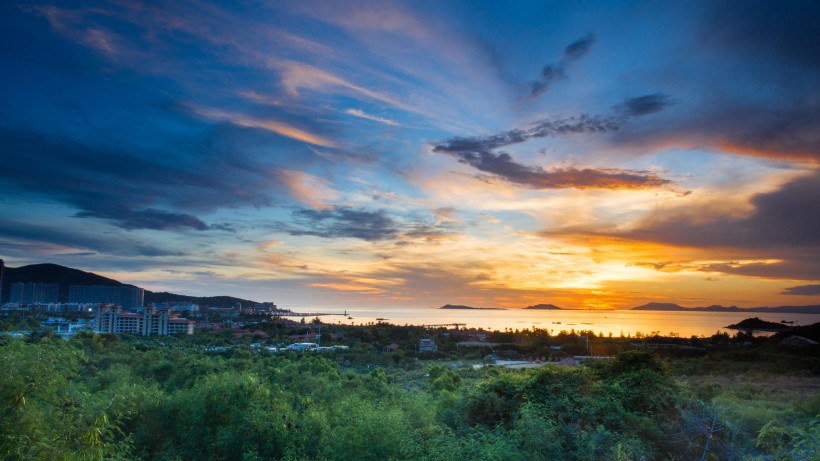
306	188
274	126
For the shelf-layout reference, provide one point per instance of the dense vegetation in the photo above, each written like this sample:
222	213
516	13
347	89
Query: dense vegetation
108	397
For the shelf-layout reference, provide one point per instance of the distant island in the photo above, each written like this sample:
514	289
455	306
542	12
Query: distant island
755	324
544	307
536	307
813	309
459	306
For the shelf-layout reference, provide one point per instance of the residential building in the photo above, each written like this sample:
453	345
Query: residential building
126	296
149	322
34	293
427	345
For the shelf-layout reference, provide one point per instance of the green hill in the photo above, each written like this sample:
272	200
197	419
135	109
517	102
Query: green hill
51	273
67	276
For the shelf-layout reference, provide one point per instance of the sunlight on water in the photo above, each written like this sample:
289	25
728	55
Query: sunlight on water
604	322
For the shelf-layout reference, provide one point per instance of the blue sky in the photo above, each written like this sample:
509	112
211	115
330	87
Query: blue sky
588	154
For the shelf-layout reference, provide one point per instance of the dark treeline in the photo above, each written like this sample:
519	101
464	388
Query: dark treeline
108	397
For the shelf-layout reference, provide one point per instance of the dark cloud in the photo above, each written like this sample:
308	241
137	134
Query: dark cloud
759	73
550	74
541	129
579	47
781	235
341	222
28	239
784	218
790	265
138	190
642	105
556	71
803	290
503	166
146	219
477	152
345	222
765	28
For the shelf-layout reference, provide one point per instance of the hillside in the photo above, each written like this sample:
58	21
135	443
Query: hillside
213	301
755	324
544	307
811	309
51	273
67	276
659	307
459	306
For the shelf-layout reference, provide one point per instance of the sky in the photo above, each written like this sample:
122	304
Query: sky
591	155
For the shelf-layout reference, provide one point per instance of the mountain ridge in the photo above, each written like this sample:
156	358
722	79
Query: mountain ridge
672	307
66	276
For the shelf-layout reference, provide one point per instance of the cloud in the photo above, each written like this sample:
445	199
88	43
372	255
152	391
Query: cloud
31	238
296	76
342	222
306	188
273	126
477	152
362	114
766	29
579	47
540	129
642	105
503	166
786	217
153	192
803	290
756	93
556	71
148	218
779	237
373	226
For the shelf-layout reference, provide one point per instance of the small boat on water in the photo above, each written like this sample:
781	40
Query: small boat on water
787	321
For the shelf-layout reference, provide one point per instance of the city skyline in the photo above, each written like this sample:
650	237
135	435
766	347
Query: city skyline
416	154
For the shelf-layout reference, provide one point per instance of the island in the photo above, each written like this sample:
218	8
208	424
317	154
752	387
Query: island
544	307
654	306
459	306
756	324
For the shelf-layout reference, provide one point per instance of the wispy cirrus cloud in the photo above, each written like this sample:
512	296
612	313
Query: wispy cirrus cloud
362	114
296	76
307	188
274	126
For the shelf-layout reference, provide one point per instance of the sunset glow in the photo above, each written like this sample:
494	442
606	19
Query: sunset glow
390	154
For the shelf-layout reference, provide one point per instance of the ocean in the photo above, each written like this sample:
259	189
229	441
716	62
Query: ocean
616	322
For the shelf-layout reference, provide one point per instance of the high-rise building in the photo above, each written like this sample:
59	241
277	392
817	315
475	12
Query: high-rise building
34	293
150	322
126	296
2	268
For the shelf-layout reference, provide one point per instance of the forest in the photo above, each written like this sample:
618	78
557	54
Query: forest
106	397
